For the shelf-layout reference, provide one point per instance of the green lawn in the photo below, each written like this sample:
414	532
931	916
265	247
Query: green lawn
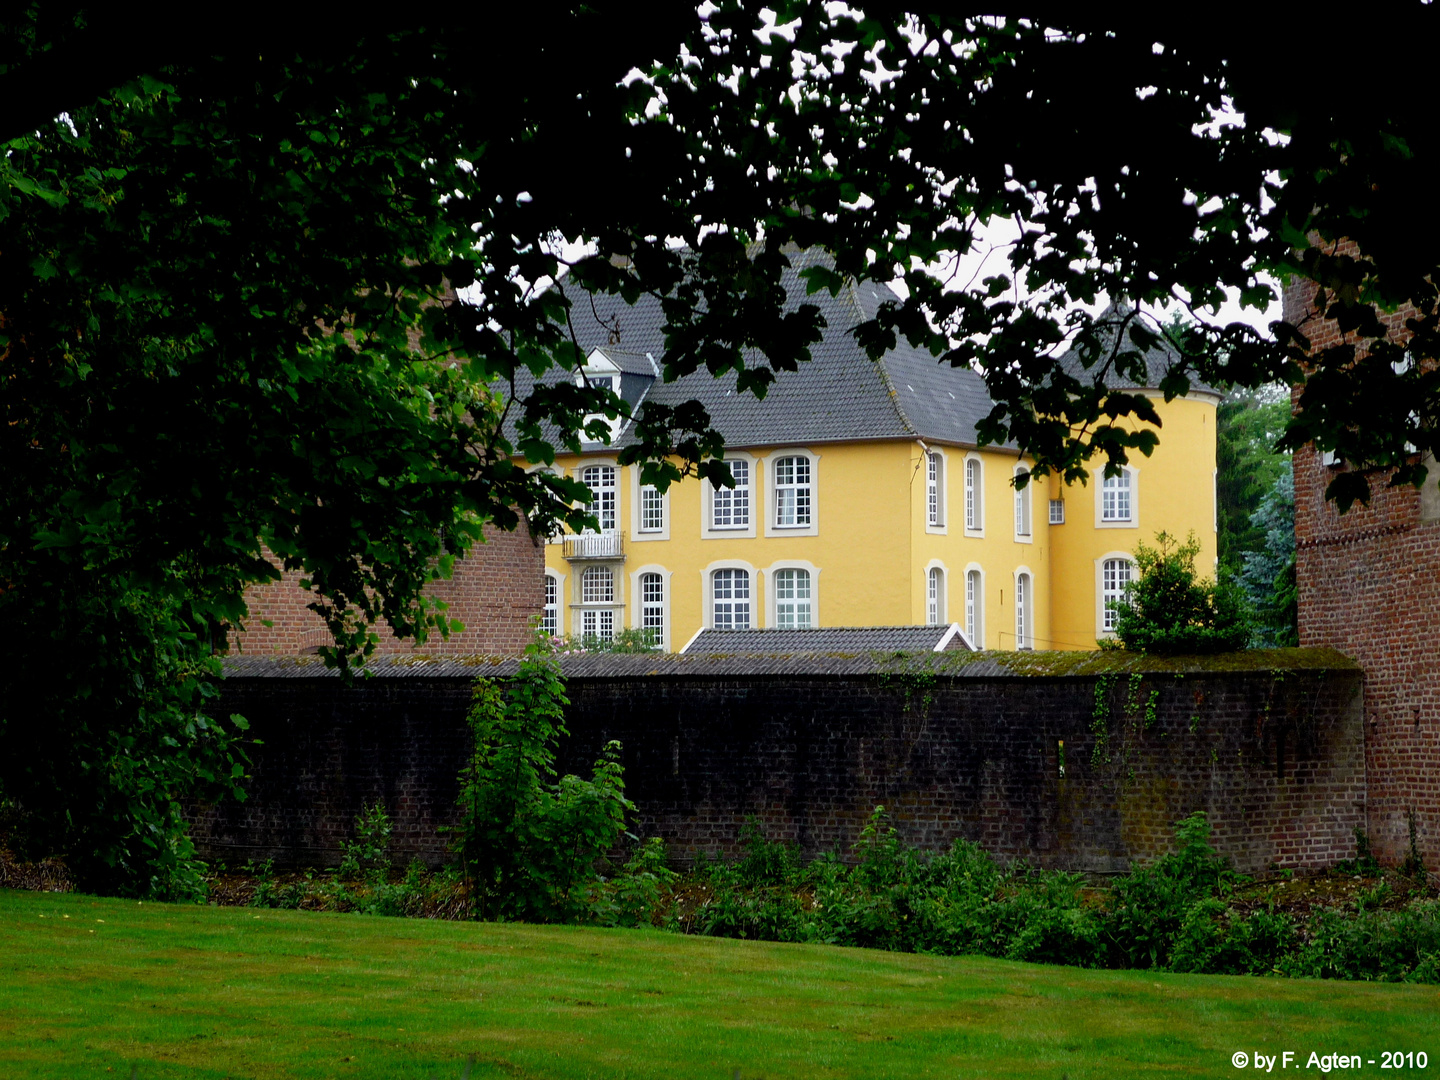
233	992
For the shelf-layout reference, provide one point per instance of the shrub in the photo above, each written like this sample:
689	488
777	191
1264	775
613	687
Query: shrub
1150	904
634	896
1385	946
527	842
1167	610
628	640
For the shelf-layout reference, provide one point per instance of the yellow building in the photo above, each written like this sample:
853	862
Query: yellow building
861	499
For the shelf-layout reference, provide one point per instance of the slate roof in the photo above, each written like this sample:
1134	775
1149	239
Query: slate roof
841	395
1160	356
631	363
826	640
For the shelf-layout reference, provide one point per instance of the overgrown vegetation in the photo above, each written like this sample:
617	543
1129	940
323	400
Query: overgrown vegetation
628	640
1268	576
1248	425
1170	610
529	843
1186	912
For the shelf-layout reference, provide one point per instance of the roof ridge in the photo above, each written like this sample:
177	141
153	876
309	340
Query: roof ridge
885	380
889	384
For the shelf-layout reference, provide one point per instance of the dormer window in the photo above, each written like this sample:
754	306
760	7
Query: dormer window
601	373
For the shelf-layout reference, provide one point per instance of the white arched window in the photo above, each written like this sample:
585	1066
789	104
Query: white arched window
935	596
792	598
1022	503
600	479
974	607
652	608
792	492
1024	612
974	495
1117	497
1115	578
550	615
730	599
934	489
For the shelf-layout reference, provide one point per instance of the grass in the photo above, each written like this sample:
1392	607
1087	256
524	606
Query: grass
202	992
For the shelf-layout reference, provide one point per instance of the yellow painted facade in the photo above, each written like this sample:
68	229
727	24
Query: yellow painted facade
869	545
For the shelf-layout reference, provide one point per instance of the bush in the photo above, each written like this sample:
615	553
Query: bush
527	842
1168	611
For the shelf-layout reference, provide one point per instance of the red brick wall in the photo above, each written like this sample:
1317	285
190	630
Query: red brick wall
1369	585
495	591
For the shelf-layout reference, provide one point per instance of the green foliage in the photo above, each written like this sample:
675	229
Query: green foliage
367	852
1268	577
529	843
1248	424
1178	913
1385	946
1364	864
364	882
106	726
1150	904
634	896
1168	611
628	640
239	335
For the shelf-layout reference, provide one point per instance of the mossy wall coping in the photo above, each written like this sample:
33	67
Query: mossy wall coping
956	664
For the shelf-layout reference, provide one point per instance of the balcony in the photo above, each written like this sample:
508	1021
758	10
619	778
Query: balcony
609	545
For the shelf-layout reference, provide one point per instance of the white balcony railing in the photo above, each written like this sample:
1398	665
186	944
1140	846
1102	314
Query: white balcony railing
595	546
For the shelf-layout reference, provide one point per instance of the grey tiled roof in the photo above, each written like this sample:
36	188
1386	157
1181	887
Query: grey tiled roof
1160	356
840	395
631	363
824	640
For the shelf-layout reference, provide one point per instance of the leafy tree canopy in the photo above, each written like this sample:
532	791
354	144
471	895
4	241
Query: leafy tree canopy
1170	610
228	263
1248	426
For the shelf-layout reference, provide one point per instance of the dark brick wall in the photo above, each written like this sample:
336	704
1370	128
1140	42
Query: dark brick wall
1276	760
495	591
1369	586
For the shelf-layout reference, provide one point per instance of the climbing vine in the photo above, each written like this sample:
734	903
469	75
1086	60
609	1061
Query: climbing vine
1100	721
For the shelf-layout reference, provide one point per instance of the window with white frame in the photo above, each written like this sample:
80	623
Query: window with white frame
934	489
974	494
730	507
792	492
1117	497
792	598
974	599
550	616
1022	502
652	509
730	598
1024	616
597	585
598	624
600	479
935	596
652	608
1115	578
1057	511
